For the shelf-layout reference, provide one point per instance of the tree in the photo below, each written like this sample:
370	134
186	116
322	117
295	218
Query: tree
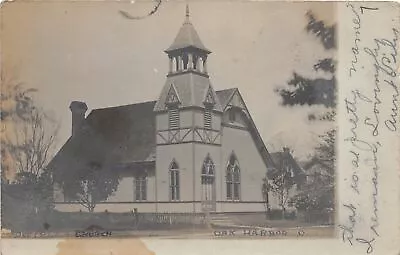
319	91
280	183
281	180
27	140
16	104
30	146
92	184
318	194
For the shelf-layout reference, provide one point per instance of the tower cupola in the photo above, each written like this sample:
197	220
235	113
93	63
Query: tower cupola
187	53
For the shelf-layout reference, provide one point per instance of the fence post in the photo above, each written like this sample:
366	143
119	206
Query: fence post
136	216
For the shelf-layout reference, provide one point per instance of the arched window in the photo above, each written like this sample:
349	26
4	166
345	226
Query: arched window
174	181
233	179
207	183
207	171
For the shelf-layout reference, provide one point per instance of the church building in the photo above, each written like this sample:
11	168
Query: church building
194	149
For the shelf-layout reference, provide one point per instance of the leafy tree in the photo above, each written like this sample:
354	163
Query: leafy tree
300	90
280	185
279	182
90	185
318	193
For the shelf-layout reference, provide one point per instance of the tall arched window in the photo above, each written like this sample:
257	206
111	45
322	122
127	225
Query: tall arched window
233	179
207	183
174	181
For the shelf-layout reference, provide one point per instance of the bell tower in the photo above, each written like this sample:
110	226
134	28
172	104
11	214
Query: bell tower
187	53
187	92
188	120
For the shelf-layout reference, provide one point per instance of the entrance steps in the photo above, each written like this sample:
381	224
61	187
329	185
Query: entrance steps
221	220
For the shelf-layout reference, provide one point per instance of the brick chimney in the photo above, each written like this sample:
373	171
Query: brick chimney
78	110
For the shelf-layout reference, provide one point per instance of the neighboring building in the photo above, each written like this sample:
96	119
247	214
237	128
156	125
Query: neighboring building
194	149
284	161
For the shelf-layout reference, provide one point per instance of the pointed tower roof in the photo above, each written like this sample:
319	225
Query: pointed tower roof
187	37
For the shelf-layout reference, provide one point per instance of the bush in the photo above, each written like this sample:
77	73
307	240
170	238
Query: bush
23	208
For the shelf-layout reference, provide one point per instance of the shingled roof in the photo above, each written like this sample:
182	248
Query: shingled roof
110	137
120	126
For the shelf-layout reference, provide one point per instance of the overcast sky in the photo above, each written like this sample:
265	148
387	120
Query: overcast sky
88	51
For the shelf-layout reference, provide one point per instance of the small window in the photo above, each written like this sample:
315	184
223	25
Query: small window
173	118
140	188
207	118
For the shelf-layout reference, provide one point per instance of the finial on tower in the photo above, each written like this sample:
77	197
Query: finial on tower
187	11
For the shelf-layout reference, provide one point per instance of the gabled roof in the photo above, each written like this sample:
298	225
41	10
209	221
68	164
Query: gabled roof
109	137
187	37
224	96
280	159
191	89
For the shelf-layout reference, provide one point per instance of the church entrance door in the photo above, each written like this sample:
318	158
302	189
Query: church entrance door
208	185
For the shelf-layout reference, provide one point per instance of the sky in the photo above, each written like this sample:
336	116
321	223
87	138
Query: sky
88	51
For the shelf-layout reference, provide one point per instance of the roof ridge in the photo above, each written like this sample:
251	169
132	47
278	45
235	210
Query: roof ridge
125	105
